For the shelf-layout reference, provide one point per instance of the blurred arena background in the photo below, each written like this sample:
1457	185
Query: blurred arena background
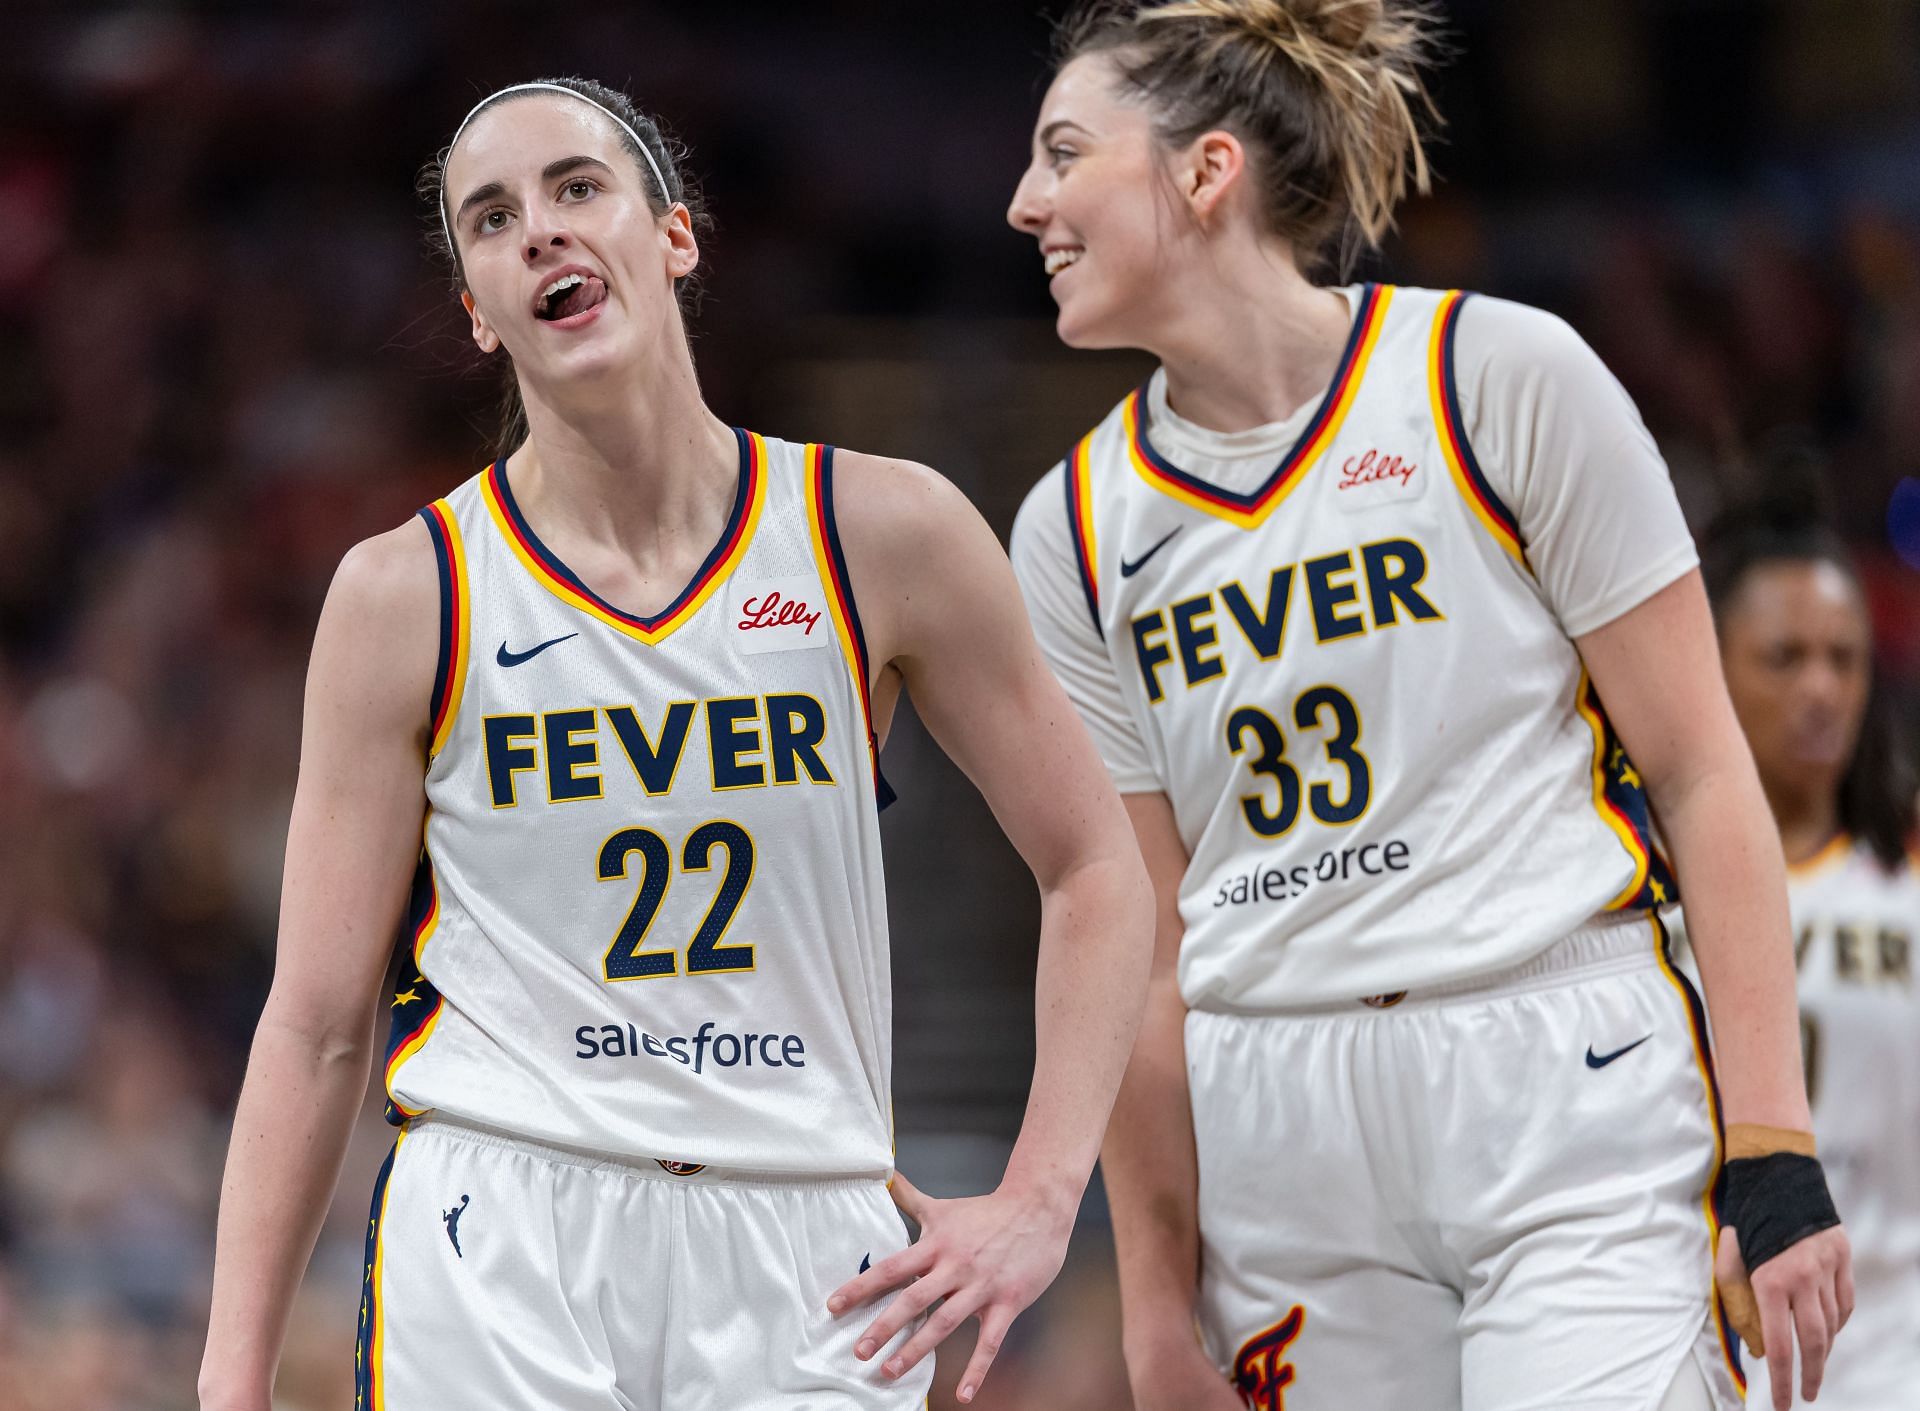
225	355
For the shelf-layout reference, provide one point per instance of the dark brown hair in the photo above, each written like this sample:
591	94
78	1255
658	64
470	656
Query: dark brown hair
1326	94
667	153
1788	521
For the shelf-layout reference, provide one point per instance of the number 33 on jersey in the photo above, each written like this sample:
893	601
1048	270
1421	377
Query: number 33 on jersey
1382	752
649	916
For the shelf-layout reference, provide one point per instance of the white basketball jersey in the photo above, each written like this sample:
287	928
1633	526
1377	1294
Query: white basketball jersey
649	918
1855	921
1384	756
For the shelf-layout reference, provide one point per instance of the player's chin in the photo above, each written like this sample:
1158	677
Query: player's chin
1084	325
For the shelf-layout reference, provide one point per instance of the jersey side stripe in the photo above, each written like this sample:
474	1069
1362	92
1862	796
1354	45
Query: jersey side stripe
1710	1199
369	1389
564	584
1079	486
1249	511
832	562
1473	485
456	617
1620	798
417	1003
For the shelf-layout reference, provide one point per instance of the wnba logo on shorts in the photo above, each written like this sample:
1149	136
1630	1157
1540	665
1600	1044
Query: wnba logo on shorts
680	1168
1261	1372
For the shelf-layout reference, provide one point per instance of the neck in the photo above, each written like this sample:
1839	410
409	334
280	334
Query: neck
633	458
1254	344
1807	818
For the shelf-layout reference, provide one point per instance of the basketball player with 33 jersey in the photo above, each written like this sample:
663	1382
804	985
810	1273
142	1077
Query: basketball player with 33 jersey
633	675
1384	616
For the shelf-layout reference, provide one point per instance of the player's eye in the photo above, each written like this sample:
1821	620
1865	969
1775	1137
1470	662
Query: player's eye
491	220
580	188
1060	156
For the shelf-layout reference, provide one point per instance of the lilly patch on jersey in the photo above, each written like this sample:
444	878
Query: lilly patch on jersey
1377	477
779	614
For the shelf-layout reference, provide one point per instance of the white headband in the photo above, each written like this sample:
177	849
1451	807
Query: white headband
625	127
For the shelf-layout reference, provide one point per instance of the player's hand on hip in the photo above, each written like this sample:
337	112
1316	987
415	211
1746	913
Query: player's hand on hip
985	1256
1172	1372
1804	1294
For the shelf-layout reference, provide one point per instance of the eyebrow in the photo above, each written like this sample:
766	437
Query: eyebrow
1048	132
552	171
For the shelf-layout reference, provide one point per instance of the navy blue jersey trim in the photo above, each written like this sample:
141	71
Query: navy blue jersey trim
1456	418
443	565
1070	478
728	536
1253	499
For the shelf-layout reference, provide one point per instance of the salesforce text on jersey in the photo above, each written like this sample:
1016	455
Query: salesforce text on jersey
695	1050
1333	865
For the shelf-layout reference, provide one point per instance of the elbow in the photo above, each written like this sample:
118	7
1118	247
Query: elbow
326	1036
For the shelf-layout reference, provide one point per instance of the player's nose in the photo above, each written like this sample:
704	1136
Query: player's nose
546	242
1028	211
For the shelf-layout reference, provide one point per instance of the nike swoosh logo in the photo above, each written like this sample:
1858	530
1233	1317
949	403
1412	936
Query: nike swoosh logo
1128	569
1601	1060
507	658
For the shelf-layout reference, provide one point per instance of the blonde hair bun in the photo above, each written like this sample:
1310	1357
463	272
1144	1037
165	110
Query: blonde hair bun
1328	93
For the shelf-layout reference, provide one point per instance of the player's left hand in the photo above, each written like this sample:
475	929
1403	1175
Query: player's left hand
1805	1291
986	1256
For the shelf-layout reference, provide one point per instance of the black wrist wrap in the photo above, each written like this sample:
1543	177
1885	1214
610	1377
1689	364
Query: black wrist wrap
1774	1202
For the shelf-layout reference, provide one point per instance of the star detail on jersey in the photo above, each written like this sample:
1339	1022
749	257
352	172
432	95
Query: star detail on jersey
507	658
404	997
1129	567
1659	890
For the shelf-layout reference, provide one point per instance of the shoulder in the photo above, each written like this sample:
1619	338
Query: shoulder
1499	343
394	575
377	646
896	508
1041	523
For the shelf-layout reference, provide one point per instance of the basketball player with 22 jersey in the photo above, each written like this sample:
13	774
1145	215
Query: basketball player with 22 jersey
1385	619
633	675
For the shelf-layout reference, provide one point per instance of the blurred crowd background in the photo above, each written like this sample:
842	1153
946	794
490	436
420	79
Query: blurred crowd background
225	355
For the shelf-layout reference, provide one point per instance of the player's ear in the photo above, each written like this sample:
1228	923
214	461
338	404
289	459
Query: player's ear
1208	170
683	249
483	335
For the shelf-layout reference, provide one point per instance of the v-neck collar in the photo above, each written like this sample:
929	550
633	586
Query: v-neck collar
554	575
1251	508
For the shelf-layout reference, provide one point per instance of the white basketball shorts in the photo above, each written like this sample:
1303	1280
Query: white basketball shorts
1493	1196
504	1276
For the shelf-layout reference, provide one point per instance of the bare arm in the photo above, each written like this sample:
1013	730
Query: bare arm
1150	1165
941	608
1657	669
351	846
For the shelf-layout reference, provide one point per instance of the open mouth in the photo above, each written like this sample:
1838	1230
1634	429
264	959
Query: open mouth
569	295
1058	260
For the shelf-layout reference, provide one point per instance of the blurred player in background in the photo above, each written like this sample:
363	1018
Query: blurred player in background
631	676
1797	647
1384	615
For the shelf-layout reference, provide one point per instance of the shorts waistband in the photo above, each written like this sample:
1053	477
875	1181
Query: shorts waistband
1601	947
663	1169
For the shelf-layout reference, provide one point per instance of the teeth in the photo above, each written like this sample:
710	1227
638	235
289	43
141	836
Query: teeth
565	281
1058	260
